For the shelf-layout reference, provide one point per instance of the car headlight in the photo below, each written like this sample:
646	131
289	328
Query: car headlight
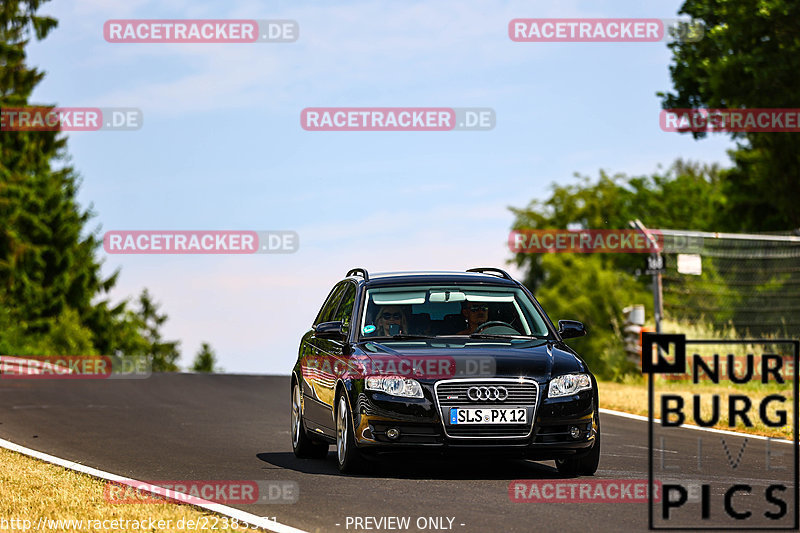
395	385
569	384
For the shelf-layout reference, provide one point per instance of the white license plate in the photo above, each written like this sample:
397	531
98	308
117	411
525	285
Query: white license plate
488	415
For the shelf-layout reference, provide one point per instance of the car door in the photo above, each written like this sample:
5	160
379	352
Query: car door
316	367
334	350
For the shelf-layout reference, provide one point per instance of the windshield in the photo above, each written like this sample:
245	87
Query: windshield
432	311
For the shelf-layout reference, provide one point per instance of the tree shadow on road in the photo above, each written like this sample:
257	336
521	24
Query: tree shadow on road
398	467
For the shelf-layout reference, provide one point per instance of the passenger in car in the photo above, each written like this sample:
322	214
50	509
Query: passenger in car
391	320
476	313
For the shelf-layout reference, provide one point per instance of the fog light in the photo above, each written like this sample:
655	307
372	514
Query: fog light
574	432
392	433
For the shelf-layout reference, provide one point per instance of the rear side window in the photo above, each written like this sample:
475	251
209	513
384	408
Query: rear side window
330	305
345	310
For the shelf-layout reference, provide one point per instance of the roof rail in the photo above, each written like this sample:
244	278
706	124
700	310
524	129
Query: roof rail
503	273
356	271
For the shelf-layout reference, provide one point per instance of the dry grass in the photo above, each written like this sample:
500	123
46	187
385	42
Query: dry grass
31	489
631	397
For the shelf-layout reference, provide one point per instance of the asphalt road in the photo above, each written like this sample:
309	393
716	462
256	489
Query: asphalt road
229	427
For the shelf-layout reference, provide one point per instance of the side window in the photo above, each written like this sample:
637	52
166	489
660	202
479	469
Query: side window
329	307
345	310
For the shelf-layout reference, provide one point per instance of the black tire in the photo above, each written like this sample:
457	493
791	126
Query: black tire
348	458
585	465
568	466
590	461
302	445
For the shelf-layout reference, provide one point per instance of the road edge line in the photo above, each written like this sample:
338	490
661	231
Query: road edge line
691	426
218	508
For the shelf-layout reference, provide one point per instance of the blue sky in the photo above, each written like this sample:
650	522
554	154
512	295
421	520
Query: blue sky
222	147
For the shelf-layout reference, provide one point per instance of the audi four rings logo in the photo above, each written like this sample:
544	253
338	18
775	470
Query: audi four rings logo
492	394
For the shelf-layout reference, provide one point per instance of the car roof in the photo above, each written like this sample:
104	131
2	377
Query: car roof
439	277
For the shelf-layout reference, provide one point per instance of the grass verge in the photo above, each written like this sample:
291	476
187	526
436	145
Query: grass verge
31	490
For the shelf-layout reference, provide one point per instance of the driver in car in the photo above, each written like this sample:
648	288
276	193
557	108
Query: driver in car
476	313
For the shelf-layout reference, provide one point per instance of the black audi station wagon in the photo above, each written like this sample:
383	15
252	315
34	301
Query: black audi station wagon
442	362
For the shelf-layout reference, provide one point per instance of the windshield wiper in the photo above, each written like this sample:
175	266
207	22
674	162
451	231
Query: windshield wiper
500	336
399	336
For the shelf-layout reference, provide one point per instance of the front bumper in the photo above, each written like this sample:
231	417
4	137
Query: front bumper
421	428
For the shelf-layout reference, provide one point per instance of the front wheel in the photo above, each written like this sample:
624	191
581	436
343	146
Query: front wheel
302	445
348	458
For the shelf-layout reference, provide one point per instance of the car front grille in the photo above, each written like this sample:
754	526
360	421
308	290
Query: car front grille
520	393
455	393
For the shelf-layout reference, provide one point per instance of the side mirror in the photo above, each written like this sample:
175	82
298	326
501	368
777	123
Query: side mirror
330	330
569	329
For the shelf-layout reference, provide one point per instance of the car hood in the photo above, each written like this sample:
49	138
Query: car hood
537	358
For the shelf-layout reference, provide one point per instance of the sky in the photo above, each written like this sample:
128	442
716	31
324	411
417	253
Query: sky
222	147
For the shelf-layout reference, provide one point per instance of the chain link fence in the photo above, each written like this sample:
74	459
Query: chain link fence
743	285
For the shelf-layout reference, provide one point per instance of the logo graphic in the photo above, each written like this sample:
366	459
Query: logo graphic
492	394
663	342
710	403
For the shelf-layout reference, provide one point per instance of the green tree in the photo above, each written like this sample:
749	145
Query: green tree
48	275
206	360
748	58
582	287
53	296
66	336
164	353
31	200
593	288
610	202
